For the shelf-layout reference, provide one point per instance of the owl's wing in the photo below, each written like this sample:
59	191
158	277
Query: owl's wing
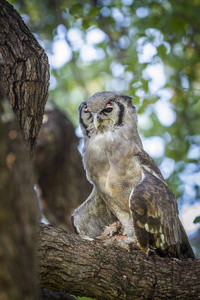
155	214
92	216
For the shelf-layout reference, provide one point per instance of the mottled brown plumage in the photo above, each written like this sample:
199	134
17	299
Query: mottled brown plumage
128	185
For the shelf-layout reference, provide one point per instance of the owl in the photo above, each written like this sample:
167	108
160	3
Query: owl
128	187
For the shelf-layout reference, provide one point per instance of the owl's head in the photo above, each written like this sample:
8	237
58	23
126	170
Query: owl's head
106	111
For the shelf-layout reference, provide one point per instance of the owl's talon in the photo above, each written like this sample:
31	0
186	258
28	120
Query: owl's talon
150	252
111	230
122	241
173	258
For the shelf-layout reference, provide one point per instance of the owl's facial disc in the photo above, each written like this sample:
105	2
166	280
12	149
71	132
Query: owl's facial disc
102	115
98	118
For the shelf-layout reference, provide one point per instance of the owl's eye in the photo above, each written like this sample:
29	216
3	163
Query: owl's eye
108	108
86	110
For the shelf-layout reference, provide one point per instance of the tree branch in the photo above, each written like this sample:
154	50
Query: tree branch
77	266
24	72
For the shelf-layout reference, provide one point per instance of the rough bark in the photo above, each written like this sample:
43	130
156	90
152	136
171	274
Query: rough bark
24	76
18	212
24	72
61	178
71	264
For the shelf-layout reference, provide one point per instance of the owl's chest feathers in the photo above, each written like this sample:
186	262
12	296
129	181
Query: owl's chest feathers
112	167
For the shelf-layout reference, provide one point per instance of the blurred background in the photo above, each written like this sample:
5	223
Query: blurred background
149	50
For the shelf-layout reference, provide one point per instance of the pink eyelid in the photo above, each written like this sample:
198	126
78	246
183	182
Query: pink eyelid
108	105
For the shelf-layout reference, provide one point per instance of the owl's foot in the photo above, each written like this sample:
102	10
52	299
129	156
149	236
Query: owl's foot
111	230
112	235
150	252
122	241
173	258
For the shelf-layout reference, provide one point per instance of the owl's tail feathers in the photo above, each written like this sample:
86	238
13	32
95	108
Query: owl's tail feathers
186	249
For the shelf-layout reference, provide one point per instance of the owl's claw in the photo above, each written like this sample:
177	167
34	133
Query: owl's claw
112	235
173	258
111	230
120	240
149	252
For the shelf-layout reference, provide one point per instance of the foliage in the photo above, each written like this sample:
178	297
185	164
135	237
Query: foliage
197	219
147	49
84	298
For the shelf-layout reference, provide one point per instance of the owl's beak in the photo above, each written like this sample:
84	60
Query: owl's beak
96	121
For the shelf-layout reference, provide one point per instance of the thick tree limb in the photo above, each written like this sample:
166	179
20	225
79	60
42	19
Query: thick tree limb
24	80
24	72
71	264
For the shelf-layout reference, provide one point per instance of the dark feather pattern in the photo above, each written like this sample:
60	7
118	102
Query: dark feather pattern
155	218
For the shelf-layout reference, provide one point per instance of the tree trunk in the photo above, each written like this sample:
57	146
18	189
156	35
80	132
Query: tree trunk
71	264
24	72
18	213
24	76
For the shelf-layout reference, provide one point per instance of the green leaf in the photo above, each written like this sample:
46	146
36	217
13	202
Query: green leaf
162	50
197	220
